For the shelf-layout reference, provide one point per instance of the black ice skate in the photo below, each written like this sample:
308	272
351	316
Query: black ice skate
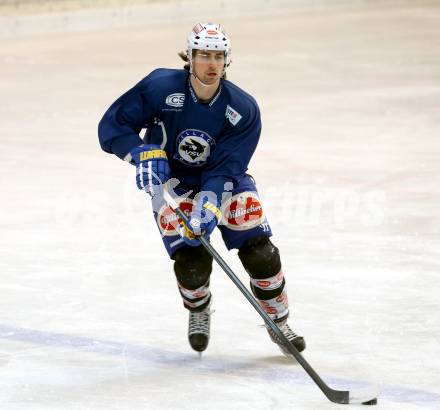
297	341
198	329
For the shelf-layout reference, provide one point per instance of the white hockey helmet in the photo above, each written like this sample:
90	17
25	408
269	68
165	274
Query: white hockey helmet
209	36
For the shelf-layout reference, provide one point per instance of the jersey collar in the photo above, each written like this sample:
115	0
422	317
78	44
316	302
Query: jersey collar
194	96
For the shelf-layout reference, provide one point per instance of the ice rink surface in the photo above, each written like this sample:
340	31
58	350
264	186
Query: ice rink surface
348	170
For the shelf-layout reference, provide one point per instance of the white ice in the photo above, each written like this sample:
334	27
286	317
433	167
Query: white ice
348	169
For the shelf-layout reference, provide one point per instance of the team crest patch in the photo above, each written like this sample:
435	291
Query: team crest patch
167	220
194	147
243	211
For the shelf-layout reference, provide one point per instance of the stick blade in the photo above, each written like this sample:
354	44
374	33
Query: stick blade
361	396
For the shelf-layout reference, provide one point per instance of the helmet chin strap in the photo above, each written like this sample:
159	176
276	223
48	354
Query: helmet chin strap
199	80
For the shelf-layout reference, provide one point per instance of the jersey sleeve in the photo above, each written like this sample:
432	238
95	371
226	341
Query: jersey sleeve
233	152
119	128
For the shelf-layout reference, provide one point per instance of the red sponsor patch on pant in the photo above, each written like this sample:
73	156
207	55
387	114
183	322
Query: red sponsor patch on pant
168	221
243	211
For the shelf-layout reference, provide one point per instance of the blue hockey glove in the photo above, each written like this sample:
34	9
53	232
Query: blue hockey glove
152	168
203	220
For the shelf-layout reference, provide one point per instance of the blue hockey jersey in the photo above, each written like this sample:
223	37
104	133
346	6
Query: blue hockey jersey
207	144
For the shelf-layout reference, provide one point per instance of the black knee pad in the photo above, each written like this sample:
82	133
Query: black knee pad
260	258
192	266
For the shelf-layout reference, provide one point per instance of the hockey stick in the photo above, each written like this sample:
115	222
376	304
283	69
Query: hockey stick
363	396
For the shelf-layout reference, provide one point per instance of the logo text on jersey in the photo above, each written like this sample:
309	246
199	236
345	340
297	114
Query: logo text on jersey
175	100
232	115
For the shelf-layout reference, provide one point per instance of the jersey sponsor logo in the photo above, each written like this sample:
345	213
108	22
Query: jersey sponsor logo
167	220
243	211
194	147
212	32
232	115
175	100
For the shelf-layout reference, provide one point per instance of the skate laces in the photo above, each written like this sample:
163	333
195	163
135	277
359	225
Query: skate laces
199	322
288	332
285	329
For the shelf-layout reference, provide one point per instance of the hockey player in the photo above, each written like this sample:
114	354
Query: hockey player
201	131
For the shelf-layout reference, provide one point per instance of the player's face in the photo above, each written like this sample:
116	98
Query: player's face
209	65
